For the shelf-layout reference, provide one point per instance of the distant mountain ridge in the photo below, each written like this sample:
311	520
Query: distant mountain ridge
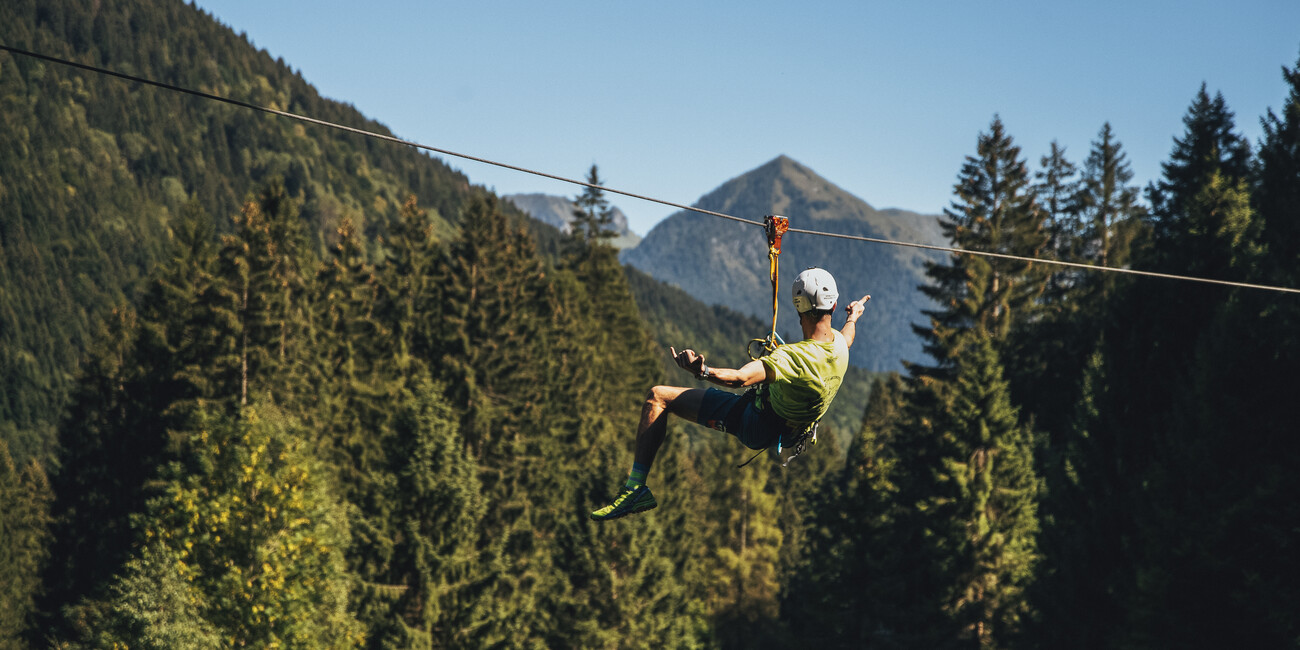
722	262
557	211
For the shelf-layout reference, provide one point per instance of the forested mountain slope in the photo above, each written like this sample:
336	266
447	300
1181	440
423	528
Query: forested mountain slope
94	172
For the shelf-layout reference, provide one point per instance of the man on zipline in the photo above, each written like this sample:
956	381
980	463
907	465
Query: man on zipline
794	386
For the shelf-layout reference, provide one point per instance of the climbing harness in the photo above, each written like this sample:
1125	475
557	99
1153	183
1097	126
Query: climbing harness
775	226
808	432
800	444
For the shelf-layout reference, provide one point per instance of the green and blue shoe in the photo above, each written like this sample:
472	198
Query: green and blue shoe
630	501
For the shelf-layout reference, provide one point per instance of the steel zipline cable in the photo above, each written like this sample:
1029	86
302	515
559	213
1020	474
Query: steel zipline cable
350	129
445	152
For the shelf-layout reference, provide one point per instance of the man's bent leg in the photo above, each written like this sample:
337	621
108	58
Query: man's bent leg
662	400
650	434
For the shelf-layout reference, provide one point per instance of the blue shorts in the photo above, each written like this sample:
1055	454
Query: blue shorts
737	415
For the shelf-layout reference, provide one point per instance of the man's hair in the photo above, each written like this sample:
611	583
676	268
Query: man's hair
816	314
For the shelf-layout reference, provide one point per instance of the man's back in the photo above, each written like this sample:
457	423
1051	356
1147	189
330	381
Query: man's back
806	375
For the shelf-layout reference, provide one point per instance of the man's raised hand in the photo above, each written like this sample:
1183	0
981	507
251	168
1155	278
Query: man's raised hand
856	308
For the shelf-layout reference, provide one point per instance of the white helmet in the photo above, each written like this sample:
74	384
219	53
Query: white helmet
814	289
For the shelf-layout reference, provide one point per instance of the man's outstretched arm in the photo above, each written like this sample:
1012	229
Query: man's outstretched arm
749	374
855	309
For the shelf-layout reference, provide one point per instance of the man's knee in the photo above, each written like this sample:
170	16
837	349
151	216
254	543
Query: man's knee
662	396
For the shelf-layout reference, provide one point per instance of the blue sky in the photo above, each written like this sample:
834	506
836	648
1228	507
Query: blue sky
671	99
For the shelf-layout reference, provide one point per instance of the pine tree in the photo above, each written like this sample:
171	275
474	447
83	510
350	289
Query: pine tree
354	350
182	327
257	533
1278	193
630	582
1210	145
1047	347
1084	557
603	317
1228	418
1057	191
546	393
108	453
1189	431
1202	225
1109	204
608	361
994	211
359	386
151	606
490	307
592	214
131	398
1004	488
265	262
415	532
24	537
974	493
188	352
406	282
746	552
970	494
441	507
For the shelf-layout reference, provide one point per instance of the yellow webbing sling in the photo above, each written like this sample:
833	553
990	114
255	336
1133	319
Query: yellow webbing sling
775	227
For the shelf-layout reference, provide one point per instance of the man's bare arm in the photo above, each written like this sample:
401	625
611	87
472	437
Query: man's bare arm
749	374
855	309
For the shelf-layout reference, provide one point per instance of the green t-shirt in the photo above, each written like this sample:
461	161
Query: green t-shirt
806	376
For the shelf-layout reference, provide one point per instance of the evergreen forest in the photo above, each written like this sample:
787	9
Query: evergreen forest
268	386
